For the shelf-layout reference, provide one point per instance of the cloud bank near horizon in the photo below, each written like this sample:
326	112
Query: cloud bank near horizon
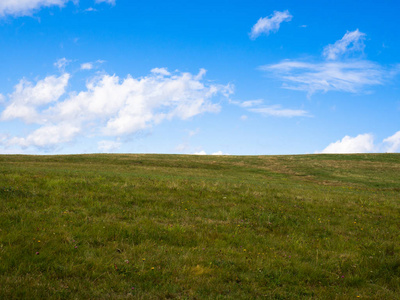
364	143
108	106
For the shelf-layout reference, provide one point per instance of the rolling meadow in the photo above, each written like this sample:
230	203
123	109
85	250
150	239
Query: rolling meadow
120	226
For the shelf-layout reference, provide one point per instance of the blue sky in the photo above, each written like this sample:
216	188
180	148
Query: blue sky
199	77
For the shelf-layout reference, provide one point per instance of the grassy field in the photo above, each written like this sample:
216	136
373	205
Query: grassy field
200	227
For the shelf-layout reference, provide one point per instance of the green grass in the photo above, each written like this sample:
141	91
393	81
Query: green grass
200	227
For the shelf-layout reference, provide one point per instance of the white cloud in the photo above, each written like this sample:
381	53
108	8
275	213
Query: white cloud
352	76
2	98
91	65
219	153
201	74
363	143
256	106
90	9
8	150
62	63
244	118
344	75
248	103
27	97
108	106
352	41
26	7
277	111
108	146
202	152
48	136
161	71
270	24
393	142
136	104
86	66
112	2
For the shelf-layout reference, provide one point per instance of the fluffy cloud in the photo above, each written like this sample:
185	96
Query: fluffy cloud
219	153
364	143
393	142
48	136
270	24
86	66
27	98
202	152
360	144
108	106
352	41
130	105
26	7
160	71
352	77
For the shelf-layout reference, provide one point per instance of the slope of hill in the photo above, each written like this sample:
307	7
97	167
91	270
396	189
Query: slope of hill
200	227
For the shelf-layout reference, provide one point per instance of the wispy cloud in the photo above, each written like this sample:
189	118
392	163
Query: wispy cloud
18	8
257	106
109	106
278	111
91	65
26	7
106	146
247	103
350	76
112	2
192	133
270	24
336	73
62	63
90	9
352	41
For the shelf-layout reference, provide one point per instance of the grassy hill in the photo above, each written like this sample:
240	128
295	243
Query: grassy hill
200	227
